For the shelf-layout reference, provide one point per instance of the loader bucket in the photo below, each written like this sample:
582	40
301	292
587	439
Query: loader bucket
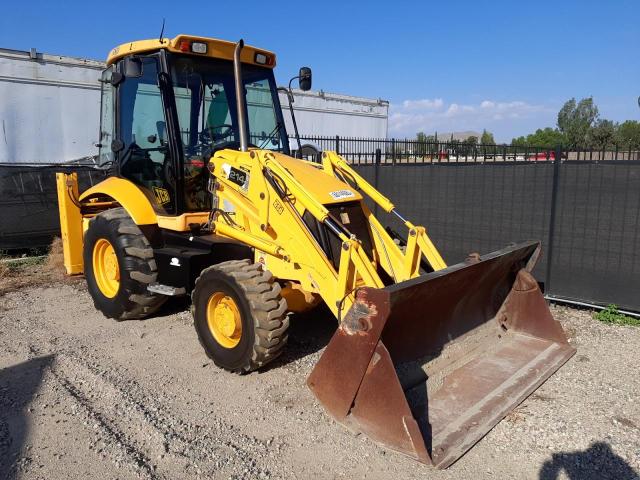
428	366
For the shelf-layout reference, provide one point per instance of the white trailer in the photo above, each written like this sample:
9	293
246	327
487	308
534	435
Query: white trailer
330	114
49	107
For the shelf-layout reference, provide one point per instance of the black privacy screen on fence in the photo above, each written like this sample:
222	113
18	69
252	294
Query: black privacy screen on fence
469	207
596	238
480	207
29	204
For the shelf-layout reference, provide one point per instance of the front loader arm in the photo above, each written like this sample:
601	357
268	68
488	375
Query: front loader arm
418	242
265	212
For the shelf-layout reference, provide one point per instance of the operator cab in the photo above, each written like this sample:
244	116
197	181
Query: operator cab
169	105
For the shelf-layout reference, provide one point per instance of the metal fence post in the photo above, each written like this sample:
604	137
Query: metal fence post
552	217
375	176
338	144
393	151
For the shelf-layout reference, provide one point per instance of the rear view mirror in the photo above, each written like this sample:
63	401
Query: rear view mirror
116	78
109	75
304	79
132	67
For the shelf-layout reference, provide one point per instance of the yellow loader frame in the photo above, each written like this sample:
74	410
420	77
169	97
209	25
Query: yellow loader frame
261	215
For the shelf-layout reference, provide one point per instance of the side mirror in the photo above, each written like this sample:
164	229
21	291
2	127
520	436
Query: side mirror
304	79
132	67
109	75
116	78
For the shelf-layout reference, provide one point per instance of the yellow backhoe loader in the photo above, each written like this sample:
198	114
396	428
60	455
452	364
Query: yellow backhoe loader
203	197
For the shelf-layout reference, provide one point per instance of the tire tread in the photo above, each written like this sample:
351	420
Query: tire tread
268	310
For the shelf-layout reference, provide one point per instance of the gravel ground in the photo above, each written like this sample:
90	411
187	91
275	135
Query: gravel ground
82	396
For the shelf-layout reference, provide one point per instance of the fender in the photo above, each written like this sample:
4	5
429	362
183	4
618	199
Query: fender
128	195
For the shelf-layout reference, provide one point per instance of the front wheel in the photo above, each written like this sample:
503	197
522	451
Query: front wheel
239	315
118	266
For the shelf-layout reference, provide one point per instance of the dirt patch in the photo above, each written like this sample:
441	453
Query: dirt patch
4	270
54	263
19	273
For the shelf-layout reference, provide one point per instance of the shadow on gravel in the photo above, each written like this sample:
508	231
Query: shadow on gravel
308	333
18	385
598	462
173	305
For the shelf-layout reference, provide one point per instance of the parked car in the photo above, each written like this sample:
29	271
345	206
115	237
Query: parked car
543	156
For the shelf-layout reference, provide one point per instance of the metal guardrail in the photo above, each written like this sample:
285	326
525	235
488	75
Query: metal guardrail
393	150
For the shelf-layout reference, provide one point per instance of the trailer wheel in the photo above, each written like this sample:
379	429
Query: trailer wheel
119	264
239	315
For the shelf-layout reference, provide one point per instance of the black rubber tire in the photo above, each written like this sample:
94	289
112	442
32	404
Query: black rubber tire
263	313
136	263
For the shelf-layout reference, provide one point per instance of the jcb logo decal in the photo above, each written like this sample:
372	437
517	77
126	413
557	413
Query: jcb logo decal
162	195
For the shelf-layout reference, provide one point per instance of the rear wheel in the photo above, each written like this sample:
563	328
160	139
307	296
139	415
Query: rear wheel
119	265
239	315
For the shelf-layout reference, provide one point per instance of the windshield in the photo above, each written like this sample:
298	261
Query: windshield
204	90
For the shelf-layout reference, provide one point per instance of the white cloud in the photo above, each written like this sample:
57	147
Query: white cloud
423	104
429	115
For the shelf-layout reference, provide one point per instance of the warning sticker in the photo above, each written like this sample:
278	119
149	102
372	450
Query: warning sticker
338	194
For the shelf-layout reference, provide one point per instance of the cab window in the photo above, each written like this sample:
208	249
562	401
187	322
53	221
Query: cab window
144	155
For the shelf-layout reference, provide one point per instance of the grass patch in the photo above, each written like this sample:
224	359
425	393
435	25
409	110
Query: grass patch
612	316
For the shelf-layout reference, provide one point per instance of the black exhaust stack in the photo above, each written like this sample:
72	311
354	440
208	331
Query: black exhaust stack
240	100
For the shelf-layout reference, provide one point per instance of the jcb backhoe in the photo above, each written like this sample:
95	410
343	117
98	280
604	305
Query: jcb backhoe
204	198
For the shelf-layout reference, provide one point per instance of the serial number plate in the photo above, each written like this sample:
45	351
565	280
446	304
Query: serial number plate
237	176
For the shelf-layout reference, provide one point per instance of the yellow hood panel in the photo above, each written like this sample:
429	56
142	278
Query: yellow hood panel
327	189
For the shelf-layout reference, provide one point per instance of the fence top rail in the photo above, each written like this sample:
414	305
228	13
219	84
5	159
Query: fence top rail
418	151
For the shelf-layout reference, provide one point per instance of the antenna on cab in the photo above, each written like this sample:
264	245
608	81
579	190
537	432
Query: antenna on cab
162	30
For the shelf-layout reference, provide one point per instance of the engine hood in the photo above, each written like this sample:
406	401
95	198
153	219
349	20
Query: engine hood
326	188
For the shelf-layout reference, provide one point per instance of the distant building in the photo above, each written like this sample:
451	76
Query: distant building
50	108
447	136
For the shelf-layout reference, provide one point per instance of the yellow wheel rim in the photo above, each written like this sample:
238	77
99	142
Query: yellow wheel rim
105	268
223	318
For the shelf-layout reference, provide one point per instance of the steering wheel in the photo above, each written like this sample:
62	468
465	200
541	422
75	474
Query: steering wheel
209	134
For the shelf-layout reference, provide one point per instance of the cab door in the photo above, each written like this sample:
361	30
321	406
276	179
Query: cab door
142	147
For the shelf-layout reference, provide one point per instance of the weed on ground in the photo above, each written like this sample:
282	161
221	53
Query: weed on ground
613	316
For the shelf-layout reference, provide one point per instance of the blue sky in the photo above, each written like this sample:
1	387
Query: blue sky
456	65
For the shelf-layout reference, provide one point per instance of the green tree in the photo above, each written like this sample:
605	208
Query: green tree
575	119
425	143
603	134
487	138
472	140
628	135
548	137
519	141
